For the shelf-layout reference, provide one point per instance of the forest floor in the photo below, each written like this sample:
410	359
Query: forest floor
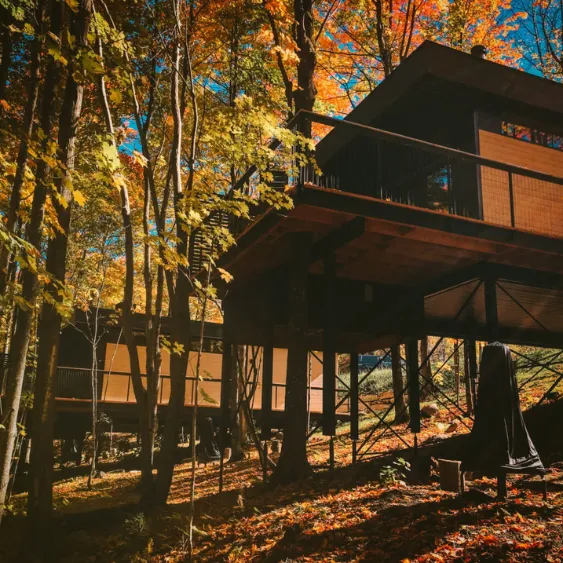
361	512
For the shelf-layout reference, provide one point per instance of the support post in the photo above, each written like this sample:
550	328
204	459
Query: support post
470	357
413	384
267	380
472	352
491	311
226	383
329	348
354	404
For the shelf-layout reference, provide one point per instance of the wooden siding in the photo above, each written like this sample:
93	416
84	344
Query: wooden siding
538	205
116	386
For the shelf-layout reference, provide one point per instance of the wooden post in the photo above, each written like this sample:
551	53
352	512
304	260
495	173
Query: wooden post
491	308
354	392
456	370
354	403
414	384
471	352
329	348
267	379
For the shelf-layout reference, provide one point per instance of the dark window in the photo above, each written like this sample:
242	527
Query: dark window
531	135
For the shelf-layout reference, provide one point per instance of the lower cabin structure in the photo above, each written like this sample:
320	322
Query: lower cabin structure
115	392
439	211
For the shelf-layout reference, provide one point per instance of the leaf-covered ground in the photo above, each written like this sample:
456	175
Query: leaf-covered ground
342	515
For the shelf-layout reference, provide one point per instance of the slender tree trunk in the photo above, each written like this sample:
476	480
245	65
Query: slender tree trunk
401	414
456	369
94	380
426	372
152	359
237	397
293	463
7	46
195	412
22	333
26	134
180	303
40	499
139	391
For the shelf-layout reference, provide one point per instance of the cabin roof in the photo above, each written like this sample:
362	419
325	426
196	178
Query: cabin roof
440	75
110	319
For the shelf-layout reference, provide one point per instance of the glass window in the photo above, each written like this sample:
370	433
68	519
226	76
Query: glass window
530	135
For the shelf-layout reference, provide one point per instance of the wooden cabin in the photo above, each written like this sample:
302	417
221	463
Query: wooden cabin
438	212
115	392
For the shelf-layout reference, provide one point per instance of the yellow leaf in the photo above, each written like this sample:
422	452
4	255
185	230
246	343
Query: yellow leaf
116	97
72	4
79	198
225	276
139	159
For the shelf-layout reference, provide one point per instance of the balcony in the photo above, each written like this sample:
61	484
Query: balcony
394	168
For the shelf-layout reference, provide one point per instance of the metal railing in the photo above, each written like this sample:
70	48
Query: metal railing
401	169
116	387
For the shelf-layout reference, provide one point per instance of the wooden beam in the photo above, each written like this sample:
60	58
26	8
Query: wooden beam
491	310
329	347
267	379
354	411
338	238
413	377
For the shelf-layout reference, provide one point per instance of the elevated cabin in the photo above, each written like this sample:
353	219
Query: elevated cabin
449	98
439	211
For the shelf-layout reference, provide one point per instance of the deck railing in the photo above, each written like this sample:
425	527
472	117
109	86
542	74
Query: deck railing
401	169
116	387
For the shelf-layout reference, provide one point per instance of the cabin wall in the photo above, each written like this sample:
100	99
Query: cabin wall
538	205
116	386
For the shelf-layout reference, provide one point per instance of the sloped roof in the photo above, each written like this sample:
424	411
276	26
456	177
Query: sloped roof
466	74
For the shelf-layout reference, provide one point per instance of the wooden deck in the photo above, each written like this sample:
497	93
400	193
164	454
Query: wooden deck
402	252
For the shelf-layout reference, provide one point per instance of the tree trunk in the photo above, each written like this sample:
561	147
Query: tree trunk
22	333
7	46
141	394
293	463
40	504
26	133
237	399
306	92
131	343
401	414
180	301
426	385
